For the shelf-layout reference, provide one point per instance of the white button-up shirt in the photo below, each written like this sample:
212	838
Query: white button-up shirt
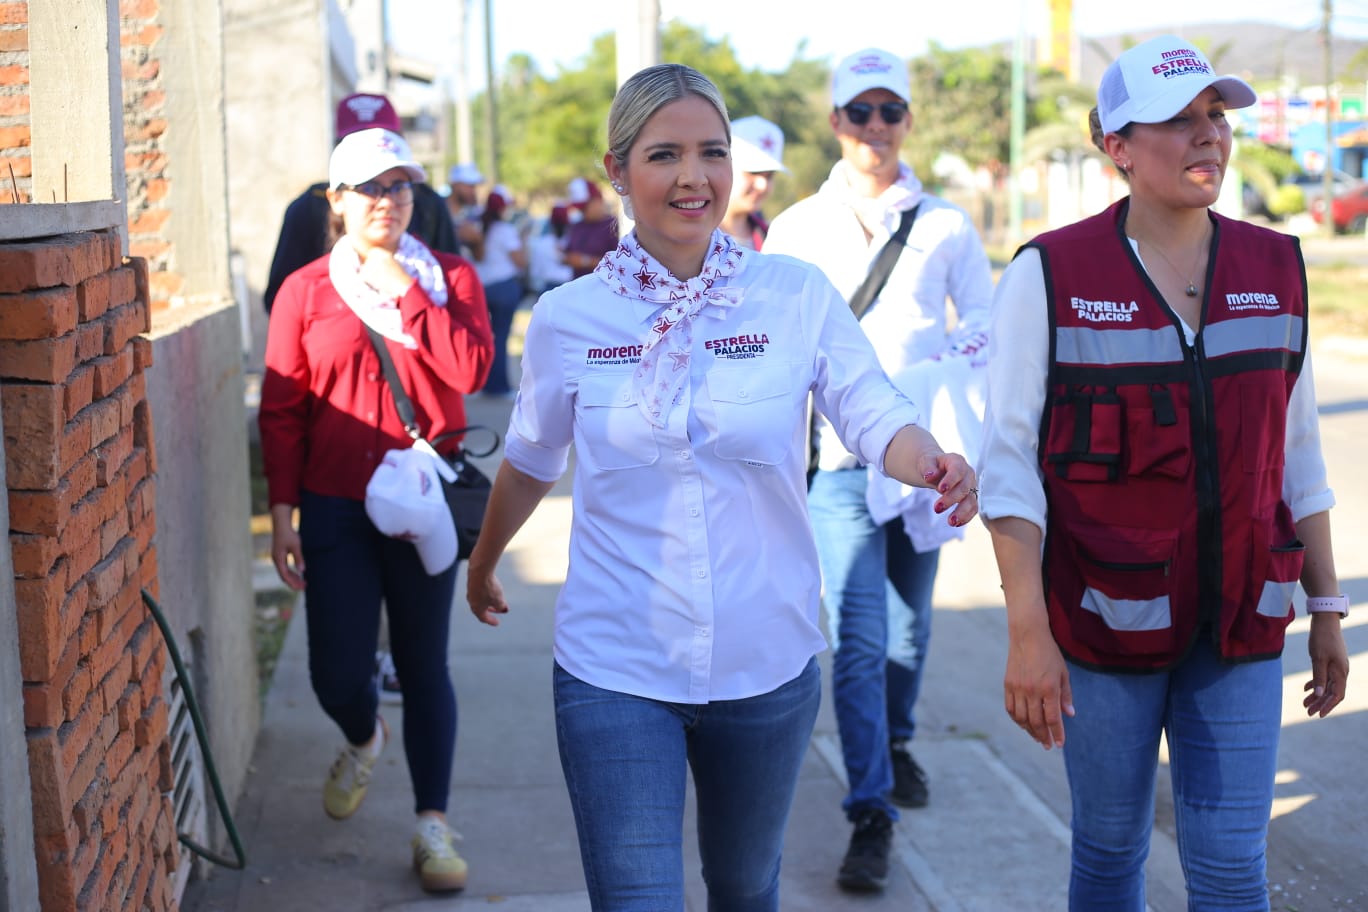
693	575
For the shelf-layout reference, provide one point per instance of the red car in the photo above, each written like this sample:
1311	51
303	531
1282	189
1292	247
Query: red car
1348	210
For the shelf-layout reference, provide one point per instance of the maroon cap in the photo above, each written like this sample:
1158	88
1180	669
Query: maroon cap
362	112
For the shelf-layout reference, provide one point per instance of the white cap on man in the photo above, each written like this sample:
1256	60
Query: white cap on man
404	499
757	145
465	173
869	69
364	154
1156	79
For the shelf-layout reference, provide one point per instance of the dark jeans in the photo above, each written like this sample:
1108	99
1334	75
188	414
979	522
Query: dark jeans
503	299
350	570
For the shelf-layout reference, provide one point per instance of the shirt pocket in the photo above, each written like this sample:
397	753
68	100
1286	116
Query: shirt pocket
614	434
756	410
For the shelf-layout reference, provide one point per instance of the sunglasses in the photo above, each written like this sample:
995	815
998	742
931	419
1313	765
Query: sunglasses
890	112
401	191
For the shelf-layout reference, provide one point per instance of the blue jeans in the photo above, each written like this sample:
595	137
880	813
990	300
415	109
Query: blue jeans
626	760
350	568
503	299
1222	723
878	598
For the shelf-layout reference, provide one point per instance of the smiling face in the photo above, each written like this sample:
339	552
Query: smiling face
370	221
872	148
678	178
1181	162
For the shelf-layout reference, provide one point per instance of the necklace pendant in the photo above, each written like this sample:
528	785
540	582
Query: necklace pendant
1191	290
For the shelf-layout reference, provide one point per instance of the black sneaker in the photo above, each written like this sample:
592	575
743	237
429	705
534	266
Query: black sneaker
865	868
909	779
386	680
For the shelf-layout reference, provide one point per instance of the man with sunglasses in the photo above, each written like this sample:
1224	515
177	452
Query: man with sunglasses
878	571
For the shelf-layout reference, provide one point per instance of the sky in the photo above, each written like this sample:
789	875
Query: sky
766	34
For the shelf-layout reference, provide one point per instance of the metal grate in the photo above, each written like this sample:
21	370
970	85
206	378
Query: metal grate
187	796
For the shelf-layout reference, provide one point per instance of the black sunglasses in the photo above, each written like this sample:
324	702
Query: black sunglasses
890	112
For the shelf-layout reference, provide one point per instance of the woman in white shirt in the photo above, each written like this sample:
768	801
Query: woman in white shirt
687	626
500	264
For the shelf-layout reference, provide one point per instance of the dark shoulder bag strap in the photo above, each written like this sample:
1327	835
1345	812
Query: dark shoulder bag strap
404	405
883	265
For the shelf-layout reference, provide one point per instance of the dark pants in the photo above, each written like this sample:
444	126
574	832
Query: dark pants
503	299
350	570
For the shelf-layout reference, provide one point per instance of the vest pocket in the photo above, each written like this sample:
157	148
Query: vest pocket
615	435
1084	442
1126	576
1160	437
1282	566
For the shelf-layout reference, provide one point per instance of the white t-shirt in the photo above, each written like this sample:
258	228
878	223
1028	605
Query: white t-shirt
501	240
693	574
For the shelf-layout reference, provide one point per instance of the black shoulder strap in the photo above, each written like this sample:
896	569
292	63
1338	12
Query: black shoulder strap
404	405
883	265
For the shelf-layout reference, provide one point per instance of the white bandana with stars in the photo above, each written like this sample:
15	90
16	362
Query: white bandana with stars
633	273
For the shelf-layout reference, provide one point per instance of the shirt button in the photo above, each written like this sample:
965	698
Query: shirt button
684	455
742	394
703	631
693	511
700	573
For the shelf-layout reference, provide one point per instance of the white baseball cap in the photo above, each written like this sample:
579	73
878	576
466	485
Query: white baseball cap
362	155
869	69
1153	81
757	145
465	173
404	499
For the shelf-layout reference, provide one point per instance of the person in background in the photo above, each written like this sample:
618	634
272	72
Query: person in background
463	207
594	234
687	627
304	231
546	268
1152	450
327	420
501	272
757	154
877	579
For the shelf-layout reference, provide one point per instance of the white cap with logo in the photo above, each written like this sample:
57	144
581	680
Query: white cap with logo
869	69
404	499
1156	79
757	145
366	153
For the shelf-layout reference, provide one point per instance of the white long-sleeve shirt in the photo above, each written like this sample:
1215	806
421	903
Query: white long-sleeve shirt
693	574
1009	469
943	261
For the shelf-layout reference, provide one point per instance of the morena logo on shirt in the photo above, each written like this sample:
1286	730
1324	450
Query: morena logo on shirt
613	354
749	345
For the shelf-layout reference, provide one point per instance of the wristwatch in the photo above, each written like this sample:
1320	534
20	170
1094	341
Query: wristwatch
1336	603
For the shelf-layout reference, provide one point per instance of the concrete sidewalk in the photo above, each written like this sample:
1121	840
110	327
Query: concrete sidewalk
994	838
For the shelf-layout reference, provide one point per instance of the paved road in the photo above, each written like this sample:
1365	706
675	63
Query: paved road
995	837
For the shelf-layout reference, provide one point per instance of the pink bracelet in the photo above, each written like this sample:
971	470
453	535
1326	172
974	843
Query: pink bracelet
1336	603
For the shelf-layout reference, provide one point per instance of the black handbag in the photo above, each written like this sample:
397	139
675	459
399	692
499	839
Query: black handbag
467	496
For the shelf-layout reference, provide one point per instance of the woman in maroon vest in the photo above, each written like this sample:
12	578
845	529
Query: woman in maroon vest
1154	487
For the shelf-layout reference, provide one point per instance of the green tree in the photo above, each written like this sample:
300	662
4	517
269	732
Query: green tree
962	104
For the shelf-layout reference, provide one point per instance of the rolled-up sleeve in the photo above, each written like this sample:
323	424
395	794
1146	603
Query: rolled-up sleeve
541	428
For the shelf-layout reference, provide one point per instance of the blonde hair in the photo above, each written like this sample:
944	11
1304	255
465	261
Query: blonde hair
647	92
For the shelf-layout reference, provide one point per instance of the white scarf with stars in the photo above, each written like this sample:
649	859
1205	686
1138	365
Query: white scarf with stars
633	273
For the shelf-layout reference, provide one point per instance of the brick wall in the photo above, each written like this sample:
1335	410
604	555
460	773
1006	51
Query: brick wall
145	155
16	166
79	458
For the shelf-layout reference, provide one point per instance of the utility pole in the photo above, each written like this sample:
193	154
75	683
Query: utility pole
491	96
465	145
1328	175
1018	130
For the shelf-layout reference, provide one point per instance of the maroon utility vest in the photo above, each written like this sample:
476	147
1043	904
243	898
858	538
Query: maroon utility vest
1163	461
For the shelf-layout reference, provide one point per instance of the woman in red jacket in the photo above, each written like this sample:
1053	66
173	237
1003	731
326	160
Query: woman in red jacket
327	419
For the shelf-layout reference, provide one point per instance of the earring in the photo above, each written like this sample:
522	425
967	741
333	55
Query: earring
621	190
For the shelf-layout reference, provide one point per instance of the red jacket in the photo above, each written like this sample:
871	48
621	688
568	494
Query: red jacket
327	417
1163	462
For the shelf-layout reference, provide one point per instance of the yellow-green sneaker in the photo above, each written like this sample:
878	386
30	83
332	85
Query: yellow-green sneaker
439	868
350	775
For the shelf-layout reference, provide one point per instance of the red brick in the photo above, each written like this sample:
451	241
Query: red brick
33	555
142	353
77	441
18	137
38	314
150	221
56	880
80	390
90	340
43	706
48	784
84	757
68	259
111	371
46	360
16	105
86	813
33	415
14	13
92	296
39	607
78	688
41	512
142	433
14	40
